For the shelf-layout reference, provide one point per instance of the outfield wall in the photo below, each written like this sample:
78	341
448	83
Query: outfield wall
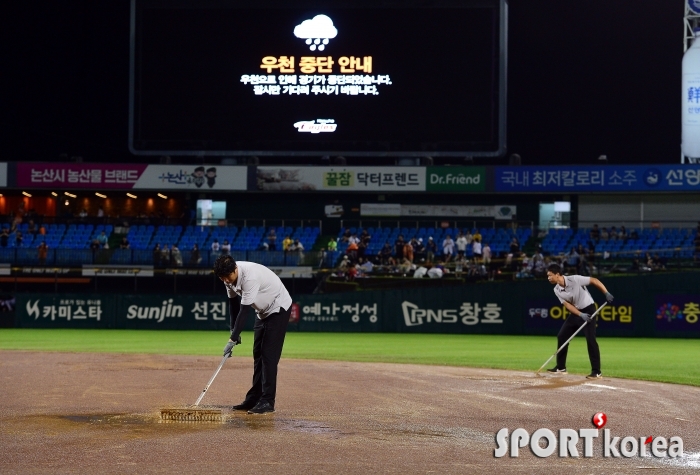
666	305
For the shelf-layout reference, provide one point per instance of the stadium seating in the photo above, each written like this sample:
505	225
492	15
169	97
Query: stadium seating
498	239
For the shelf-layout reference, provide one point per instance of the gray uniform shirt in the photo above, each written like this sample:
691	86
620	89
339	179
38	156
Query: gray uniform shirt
260	288
574	291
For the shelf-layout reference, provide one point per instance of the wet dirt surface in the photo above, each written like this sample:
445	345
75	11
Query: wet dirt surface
94	413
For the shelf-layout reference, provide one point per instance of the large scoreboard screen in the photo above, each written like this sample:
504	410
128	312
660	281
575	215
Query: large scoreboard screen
360	78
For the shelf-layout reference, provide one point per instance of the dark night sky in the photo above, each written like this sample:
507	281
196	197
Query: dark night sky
584	79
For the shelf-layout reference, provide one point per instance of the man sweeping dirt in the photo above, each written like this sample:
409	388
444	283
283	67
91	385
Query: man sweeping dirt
572	292
263	290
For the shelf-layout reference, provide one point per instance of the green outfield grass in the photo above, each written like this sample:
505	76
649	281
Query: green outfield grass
652	359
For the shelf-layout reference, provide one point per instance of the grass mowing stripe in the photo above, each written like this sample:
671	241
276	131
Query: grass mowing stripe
652	359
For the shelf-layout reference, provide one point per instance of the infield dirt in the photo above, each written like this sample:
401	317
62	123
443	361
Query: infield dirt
98	413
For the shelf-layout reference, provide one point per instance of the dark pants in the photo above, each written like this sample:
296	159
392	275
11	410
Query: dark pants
267	350
573	323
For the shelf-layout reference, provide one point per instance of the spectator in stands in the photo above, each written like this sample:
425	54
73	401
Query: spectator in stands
572	261
102	239
408	251
595	233
448	248
361	249
385	253
332	245
622	234
430	249
351	250
83	213
489	264
215	246
477	235
165	255
124	244
437	271
515	247
405	266
195	255
367	266
296	246
525	271
272	239
469	237
4	237
31	227
634	235
175	256
42	230
477	249
19	216
344	264
539	267
398	248
604	236
100	212
263	246
42	252
419	250
461	243
226	247
286	242
613	233
94	246
659	262
351	273
365	236
157	256
354	238
18	238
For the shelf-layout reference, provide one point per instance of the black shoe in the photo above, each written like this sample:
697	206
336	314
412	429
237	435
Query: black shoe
594	375
262	407
244	406
557	370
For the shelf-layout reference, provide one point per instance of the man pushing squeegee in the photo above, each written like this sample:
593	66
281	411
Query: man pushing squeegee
263	290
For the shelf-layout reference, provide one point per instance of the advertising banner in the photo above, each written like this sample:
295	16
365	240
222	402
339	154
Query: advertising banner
456	179
193	177
340	179
601	178
131	176
446	211
446	311
117	271
549	314
678	313
174	312
65	311
351	312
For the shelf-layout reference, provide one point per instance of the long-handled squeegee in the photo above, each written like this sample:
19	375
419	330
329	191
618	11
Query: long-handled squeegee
571	338
196	413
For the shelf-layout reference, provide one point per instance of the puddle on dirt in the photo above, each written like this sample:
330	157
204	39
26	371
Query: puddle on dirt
152	423
112	419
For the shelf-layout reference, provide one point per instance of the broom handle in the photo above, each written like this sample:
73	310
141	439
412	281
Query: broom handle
211	380
572	336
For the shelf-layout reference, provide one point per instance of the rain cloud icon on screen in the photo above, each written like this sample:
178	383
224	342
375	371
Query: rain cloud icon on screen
317	32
